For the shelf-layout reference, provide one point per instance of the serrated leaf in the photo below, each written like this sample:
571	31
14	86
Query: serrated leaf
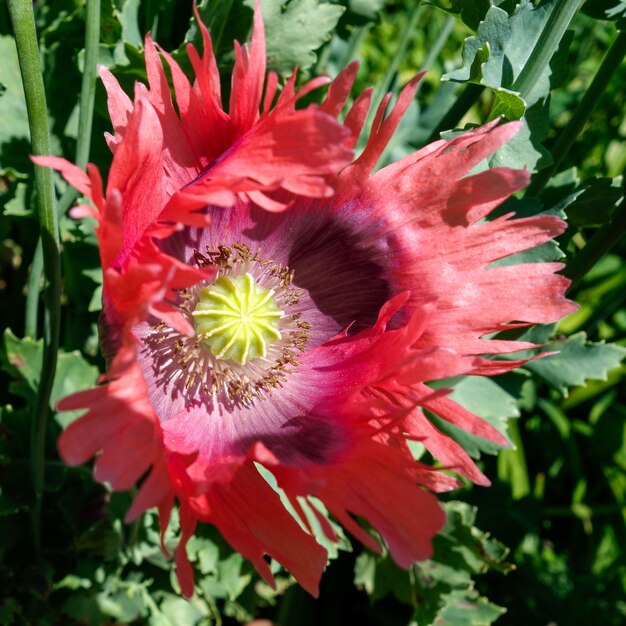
576	362
475	54
311	521
595	202
10	611
126	604
128	18
178	611
470	12
295	30
460	551
523	150
467	548
73	582
511	40
23	360
382	577
528	207
13	116
73	374
83	608
467	609
606	10
18	205
231	576
507	104
366	8
488	400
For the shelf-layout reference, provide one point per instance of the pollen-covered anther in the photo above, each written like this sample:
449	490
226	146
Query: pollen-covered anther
237	319
248	337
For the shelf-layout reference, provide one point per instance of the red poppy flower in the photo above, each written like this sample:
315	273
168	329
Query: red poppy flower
252	317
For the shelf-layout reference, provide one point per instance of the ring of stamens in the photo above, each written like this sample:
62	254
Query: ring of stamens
247	341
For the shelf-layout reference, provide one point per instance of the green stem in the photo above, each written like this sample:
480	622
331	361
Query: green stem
83	147
23	19
392	68
435	49
87	97
599	244
31	316
88	87
356	39
546	45
385	84
469	95
569	134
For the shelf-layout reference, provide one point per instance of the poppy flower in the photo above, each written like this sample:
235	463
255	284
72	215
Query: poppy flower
269	301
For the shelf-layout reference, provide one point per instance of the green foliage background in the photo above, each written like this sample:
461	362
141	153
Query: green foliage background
558	501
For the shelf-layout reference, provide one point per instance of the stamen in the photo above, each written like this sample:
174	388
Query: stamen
247	339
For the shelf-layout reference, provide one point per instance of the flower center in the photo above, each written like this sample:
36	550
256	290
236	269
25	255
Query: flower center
237	319
249	332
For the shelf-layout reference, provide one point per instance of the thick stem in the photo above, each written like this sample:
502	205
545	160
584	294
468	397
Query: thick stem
442	38
83	147
392	68
23	19
88	87
31	316
599	244
87	97
546	45
574	127
468	96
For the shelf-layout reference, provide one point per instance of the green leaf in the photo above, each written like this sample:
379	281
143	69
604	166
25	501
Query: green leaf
366	8
23	360
523	150
576	362
381	577
18	205
485	398
475	54
510	40
84	609
312	521
595	202
295	30
512	466
606	10
127	603
10	611
436	586
128	18
470	12
467	609
179	611
466	547
73	374
528	207
73	582
507	104
13	117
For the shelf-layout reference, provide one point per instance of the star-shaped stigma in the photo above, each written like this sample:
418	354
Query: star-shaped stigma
237	319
